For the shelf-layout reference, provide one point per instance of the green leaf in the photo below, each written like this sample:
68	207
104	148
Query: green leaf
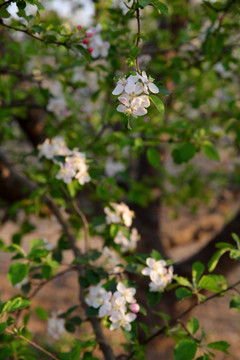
37	254
215	259
17	303
144	3
92	312
161	7
37	243
3	327
213	283
74	354
153	157
197	270
193	325
237	239
41	313
183	153
210	151
158	103
219	345
183	281
182	293
185	350
4	13
153	297
17	272
235	303
235	254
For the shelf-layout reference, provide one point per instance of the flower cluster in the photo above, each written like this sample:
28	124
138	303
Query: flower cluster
133	94
94	42
74	165
159	274
127	243
56	326
119	213
114	305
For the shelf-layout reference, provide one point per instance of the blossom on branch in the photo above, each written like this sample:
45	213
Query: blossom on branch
133	91
159	274
119	213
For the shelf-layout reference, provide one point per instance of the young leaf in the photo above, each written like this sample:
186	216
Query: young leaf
17	272
185	350
213	283
215	259
210	151
182	293
235	303
193	325
153	157
197	270
158	103
219	345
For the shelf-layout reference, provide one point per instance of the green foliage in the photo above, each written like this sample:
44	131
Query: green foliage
17	272
185	350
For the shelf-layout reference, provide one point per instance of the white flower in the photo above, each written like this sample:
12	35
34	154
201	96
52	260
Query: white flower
56	326
159	274
126	84
121	319
120	212
53	147
66	173
133	106
96	295
100	47
125	293
58	106
112	217
113	167
106	307
111	260
147	84
127	244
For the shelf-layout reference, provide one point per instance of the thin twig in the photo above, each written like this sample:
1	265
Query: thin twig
138	36
64	43
40	286
35	345
7	3
85	225
224	8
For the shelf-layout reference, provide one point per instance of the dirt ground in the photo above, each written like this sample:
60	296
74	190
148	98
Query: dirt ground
218	321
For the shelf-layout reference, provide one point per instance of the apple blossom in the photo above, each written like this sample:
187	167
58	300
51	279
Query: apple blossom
159	274
55	326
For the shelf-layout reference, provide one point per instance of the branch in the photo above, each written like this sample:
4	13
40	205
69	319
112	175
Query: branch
138	36
224	8
176	319
85	225
7	3
64	43
35	345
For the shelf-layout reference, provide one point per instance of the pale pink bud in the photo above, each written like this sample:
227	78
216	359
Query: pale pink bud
221	17
135	308
89	34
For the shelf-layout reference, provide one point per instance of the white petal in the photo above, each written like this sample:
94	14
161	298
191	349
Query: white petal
153	88
139	112
121	108
138	88
150	262
120	287
124	98
118	89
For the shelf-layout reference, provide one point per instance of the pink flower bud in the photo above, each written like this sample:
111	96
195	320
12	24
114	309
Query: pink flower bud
135	308
89	116
79	27
221	17
90	50
89	34
85	41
